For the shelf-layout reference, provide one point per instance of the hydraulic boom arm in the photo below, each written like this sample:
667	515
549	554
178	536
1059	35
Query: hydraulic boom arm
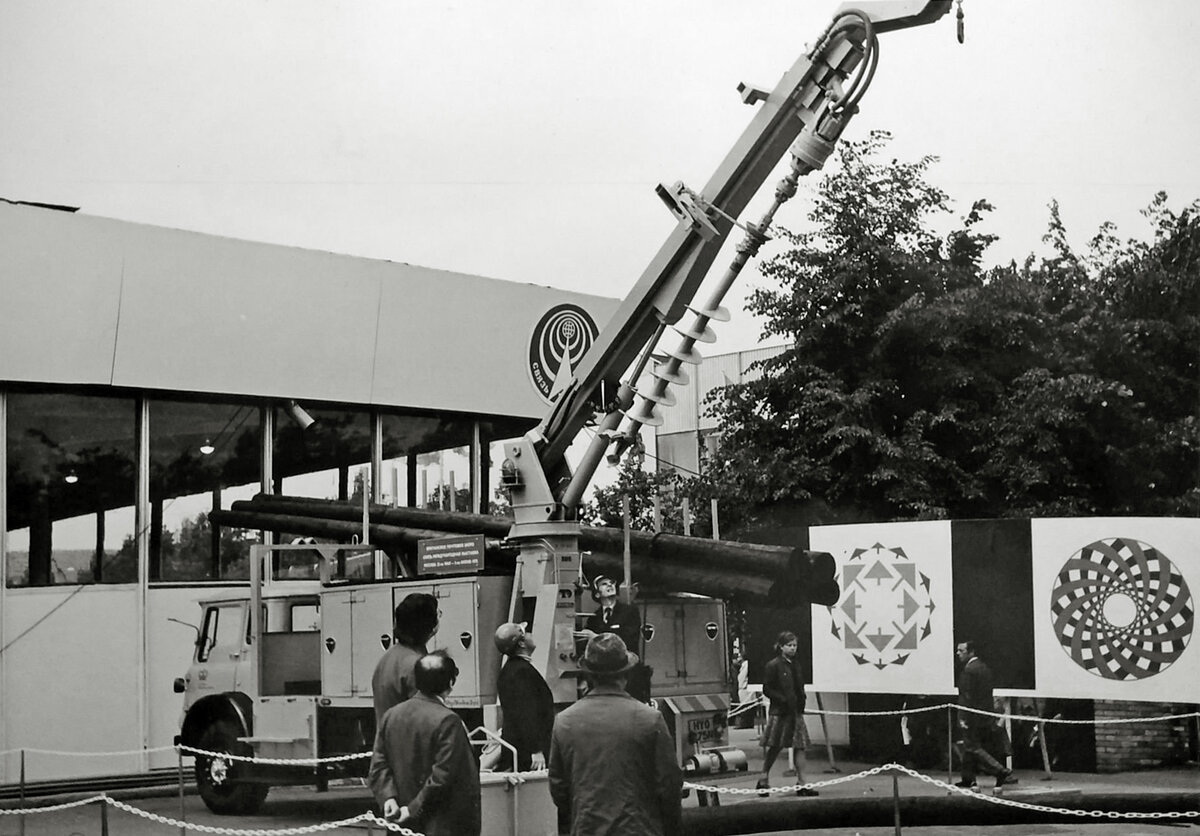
804	115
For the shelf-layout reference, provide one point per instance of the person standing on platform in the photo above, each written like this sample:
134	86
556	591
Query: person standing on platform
784	687
612	759
615	616
975	691
423	772
526	703
414	624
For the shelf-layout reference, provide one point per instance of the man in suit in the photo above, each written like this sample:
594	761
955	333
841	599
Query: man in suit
975	691
414	623
423	772
612	760
526	703
615	616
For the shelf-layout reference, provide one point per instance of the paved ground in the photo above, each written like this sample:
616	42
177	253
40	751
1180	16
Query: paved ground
1032	788
300	807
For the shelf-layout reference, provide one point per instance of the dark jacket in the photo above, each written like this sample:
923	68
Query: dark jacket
783	687
613	769
392	681
624	620
975	691
423	759
528	711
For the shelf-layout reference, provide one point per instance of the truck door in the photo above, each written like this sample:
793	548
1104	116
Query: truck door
221	654
356	628
457	628
372	625
703	644
336	637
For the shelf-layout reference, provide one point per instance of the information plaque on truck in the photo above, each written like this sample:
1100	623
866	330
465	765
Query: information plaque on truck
450	555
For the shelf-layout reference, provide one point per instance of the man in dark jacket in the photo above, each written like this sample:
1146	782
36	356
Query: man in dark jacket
422	771
975	692
415	622
612	760
616	616
526	703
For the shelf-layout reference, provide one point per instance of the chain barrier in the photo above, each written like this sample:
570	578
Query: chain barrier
398	828
894	713
841	779
742	707
1042	808
53	808
191	750
125	753
895	767
1033	718
208	828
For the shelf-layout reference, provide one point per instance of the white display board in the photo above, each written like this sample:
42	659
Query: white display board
1115	607
890	631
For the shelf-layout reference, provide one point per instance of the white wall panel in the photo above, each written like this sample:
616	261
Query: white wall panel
94	300
169	649
222	315
60	283
72	680
458	342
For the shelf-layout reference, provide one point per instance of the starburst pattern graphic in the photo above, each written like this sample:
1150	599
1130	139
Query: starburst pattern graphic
1121	609
884	611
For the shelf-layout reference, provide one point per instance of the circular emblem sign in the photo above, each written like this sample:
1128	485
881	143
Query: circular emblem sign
559	340
1121	609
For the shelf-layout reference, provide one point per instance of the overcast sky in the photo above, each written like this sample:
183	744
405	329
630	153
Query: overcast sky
523	139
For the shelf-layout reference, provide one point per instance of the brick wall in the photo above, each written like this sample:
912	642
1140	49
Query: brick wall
1122	747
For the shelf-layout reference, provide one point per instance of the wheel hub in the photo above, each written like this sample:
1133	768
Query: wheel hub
218	771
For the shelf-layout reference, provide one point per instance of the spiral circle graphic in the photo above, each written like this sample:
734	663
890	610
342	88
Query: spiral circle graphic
559	341
1121	609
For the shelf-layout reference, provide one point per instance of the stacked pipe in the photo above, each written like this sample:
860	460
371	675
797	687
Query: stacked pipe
778	576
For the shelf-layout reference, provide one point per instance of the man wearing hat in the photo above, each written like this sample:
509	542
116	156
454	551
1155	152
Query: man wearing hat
526	703
612	761
614	616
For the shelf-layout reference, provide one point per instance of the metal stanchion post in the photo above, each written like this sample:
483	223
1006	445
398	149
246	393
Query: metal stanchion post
22	793
896	800
833	767
103	817
1041	733
182	815
949	744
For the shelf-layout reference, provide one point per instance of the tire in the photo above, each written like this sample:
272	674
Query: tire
220	781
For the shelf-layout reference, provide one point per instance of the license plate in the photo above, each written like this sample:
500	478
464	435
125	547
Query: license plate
701	729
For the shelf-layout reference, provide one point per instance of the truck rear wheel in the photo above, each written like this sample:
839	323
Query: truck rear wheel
222	781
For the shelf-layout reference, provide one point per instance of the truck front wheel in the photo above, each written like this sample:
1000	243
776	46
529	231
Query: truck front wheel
222	781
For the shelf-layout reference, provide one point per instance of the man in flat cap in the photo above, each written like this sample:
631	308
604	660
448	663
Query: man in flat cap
526	704
612	761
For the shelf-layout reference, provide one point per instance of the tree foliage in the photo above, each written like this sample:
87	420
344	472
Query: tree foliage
642	486
918	385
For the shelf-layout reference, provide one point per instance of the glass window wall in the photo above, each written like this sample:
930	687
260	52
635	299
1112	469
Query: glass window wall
70	489
202	456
